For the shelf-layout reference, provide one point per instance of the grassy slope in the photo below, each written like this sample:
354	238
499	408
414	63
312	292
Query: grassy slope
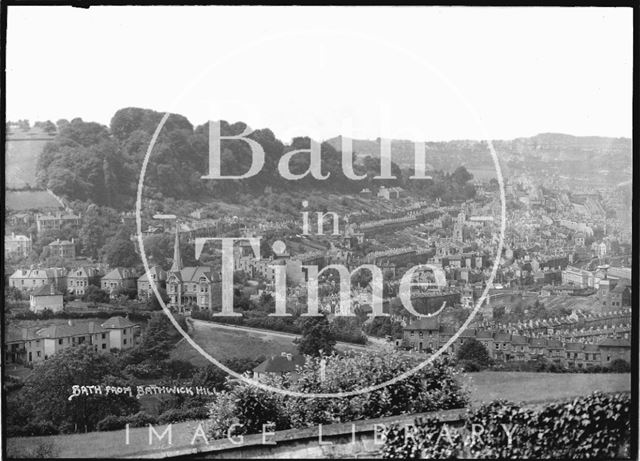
227	344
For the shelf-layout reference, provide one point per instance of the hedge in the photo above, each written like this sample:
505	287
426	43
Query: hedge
598	425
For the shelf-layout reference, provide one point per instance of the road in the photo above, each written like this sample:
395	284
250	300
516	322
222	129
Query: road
201	324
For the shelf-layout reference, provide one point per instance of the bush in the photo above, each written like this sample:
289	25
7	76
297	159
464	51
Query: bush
111	423
434	387
596	426
140	419
176	415
620	366
474	352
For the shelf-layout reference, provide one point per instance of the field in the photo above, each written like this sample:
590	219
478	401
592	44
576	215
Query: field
521	386
485	386
30	200
225	344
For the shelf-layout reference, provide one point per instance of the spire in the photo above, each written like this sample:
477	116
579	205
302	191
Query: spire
177	260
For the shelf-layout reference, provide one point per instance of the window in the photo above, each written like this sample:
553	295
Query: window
104	335
60	341
124	341
104	346
38	353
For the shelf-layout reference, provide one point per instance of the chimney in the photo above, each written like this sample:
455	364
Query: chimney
53	291
70	322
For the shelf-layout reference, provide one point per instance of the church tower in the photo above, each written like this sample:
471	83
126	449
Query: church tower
177	259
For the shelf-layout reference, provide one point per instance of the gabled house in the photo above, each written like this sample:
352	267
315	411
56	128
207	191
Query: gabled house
79	279
280	365
119	278
155	274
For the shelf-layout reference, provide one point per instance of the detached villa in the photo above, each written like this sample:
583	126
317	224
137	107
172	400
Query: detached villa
46	297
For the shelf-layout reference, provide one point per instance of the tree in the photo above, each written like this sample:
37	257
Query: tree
121	252
157	338
153	303
95	295
48	389
461	175
620	366
473	352
317	338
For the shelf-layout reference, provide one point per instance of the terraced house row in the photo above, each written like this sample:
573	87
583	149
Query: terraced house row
32	345
428	335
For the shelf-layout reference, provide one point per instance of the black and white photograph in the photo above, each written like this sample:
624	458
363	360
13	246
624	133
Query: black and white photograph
318	232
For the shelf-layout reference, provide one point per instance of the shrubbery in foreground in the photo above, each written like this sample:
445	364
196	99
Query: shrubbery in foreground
434	387
595	426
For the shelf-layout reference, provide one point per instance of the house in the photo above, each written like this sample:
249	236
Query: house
19	245
619	297
390	193
56	221
22	346
63	249
120	278
422	334
121	332
59	337
31	279
612	349
199	285
80	278
279	365
46	297
144	284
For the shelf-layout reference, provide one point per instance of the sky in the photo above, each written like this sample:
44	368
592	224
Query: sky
427	73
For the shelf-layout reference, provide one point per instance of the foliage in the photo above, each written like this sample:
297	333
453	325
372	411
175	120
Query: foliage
47	390
383	326
596	426
434	387
620	366
473	354
95	295
317	338
120	251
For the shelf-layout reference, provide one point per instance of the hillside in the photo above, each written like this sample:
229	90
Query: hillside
562	152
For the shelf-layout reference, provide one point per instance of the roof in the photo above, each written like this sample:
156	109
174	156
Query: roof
538	342
613	342
47	290
118	322
153	270
280	364
429	323
574	346
518	339
193	274
60	242
83	272
484	334
119	273
554	344
21	334
502	337
62	331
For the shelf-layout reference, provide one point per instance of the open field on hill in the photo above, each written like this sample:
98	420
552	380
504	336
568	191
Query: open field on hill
225	344
516	386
